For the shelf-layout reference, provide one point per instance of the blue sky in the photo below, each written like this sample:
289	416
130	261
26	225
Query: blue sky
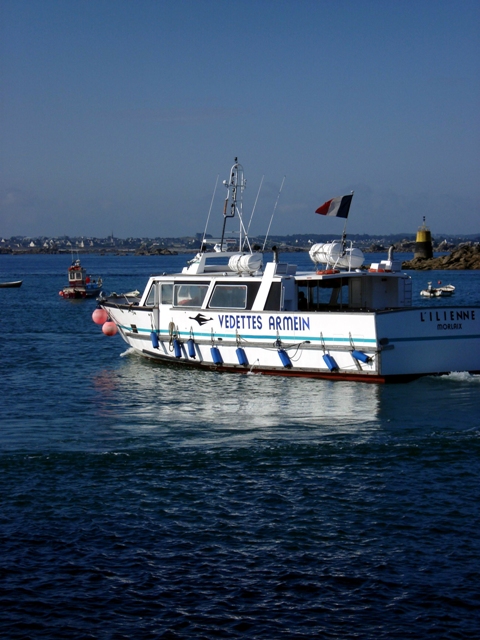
118	116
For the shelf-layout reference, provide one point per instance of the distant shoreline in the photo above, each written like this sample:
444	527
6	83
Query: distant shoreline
463	257
401	243
154	250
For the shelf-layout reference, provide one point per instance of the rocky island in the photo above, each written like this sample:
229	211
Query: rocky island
465	256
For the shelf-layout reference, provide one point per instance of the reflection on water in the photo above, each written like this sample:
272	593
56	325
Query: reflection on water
141	395
189	406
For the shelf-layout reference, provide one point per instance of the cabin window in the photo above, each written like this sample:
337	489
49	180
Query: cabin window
166	294
314	295
189	295
274	297
150	301
356	292
253	288
227	296
234	300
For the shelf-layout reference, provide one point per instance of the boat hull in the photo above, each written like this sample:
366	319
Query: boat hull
77	293
11	285
276	371
439	292
388	346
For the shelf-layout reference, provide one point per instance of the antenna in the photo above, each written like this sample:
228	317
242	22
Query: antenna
254	207
209	212
273	213
236	183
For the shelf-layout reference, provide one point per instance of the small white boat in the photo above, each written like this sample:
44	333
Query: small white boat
438	292
227	310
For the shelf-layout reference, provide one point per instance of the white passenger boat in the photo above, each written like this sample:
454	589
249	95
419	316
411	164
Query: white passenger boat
228	311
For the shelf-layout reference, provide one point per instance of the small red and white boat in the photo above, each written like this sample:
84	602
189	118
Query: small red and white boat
81	285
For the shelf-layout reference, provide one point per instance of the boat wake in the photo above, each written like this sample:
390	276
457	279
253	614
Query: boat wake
128	352
461	376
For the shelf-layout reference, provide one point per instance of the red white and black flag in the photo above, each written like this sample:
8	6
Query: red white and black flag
338	207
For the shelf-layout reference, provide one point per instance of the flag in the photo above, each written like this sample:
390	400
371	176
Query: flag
336	207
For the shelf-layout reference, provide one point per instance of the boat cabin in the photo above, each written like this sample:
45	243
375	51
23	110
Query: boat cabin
76	274
353	291
277	287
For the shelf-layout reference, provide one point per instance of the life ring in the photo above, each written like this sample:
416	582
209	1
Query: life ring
328	272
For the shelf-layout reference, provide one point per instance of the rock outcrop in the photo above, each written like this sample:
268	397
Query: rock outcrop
463	257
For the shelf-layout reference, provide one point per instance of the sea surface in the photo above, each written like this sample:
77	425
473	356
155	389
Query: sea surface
143	501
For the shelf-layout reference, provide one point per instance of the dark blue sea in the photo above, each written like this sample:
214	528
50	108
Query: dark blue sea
141	501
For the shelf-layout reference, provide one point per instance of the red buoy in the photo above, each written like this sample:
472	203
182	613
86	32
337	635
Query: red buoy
109	328
99	316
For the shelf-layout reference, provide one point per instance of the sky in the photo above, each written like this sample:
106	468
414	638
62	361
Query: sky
120	116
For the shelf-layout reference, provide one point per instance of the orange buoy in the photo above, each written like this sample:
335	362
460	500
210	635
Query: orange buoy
109	328
99	316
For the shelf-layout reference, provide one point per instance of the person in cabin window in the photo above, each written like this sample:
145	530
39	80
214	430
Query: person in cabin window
302	301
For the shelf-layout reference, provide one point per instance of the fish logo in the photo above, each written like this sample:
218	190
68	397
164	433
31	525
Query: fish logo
201	319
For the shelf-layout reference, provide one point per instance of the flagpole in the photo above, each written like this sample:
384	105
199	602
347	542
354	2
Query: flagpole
344	234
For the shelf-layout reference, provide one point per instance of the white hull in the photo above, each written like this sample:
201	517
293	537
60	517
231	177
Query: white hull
404	343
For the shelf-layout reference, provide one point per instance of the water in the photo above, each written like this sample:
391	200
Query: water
143	501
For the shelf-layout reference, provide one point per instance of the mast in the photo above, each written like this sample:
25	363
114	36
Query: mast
236	184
